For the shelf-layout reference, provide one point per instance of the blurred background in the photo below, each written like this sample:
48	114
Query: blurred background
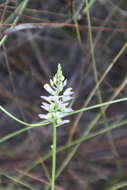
89	39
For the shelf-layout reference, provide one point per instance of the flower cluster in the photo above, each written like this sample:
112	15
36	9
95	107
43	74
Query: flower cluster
57	103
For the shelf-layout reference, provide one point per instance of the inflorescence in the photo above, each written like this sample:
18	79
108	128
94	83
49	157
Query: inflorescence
57	103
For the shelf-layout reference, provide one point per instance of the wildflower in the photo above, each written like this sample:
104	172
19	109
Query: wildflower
57	103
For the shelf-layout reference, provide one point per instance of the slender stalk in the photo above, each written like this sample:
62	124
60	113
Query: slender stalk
109	135
53	147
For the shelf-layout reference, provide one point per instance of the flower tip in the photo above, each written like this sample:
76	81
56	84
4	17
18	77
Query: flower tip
59	66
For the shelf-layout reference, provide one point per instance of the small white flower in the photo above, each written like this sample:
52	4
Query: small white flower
42	116
45	106
49	89
68	92
64	122
66	98
58	100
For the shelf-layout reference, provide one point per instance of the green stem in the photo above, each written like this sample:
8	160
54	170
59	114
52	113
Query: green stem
53	147
118	185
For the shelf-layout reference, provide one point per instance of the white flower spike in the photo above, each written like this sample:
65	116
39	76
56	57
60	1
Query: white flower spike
57	102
